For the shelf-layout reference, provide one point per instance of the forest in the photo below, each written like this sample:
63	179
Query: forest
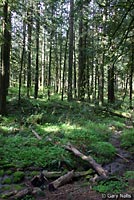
66	99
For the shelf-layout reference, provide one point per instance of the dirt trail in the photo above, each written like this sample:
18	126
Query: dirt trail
120	165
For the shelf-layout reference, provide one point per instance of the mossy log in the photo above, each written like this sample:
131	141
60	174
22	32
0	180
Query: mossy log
22	193
56	174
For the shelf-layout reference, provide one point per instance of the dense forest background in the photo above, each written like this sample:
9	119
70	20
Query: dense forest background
81	49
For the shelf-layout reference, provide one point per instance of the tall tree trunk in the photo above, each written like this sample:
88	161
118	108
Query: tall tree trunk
49	68
82	54
37	53
75	73
71	37
5	57
111	97
29	15
57	66
22	61
60	70
64	67
43	61
131	76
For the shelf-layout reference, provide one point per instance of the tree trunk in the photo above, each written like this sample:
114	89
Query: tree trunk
49	68
43	61
29	15
71	37
111	97
64	67
22	61
131	77
75	73
5	58
82	54
37	53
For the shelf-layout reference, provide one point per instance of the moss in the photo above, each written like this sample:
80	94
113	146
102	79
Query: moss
7	180
129	174
103	152
7	187
34	173
17	187
18	176
127	140
8	172
1	172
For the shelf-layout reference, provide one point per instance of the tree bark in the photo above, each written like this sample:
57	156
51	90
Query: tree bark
111	97
37	53
29	16
22	61
131	76
61	181
5	57
71	37
64	67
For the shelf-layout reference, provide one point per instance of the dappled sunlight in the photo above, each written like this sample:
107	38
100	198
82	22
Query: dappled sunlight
4	129
50	128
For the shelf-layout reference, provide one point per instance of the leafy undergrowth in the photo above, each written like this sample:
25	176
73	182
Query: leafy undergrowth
127	140
58	122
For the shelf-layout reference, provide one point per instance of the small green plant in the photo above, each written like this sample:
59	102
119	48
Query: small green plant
8	172
103	151
129	174
110	186
18	176
127	140
1	172
28	197
7	180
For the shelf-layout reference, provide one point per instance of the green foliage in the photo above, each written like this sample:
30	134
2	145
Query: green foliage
109	186
8	172
127	140
1	172
104	151
57	123
28	197
18	176
7	180
129	174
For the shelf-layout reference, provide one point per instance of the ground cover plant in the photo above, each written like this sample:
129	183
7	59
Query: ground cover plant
58	123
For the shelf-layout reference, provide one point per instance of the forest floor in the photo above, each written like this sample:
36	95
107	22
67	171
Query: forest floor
77	190
105	134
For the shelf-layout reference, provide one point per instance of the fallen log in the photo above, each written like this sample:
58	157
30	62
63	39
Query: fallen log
61	181
53	174
97	167
7	195
36	134
126	160
22	193
57	174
